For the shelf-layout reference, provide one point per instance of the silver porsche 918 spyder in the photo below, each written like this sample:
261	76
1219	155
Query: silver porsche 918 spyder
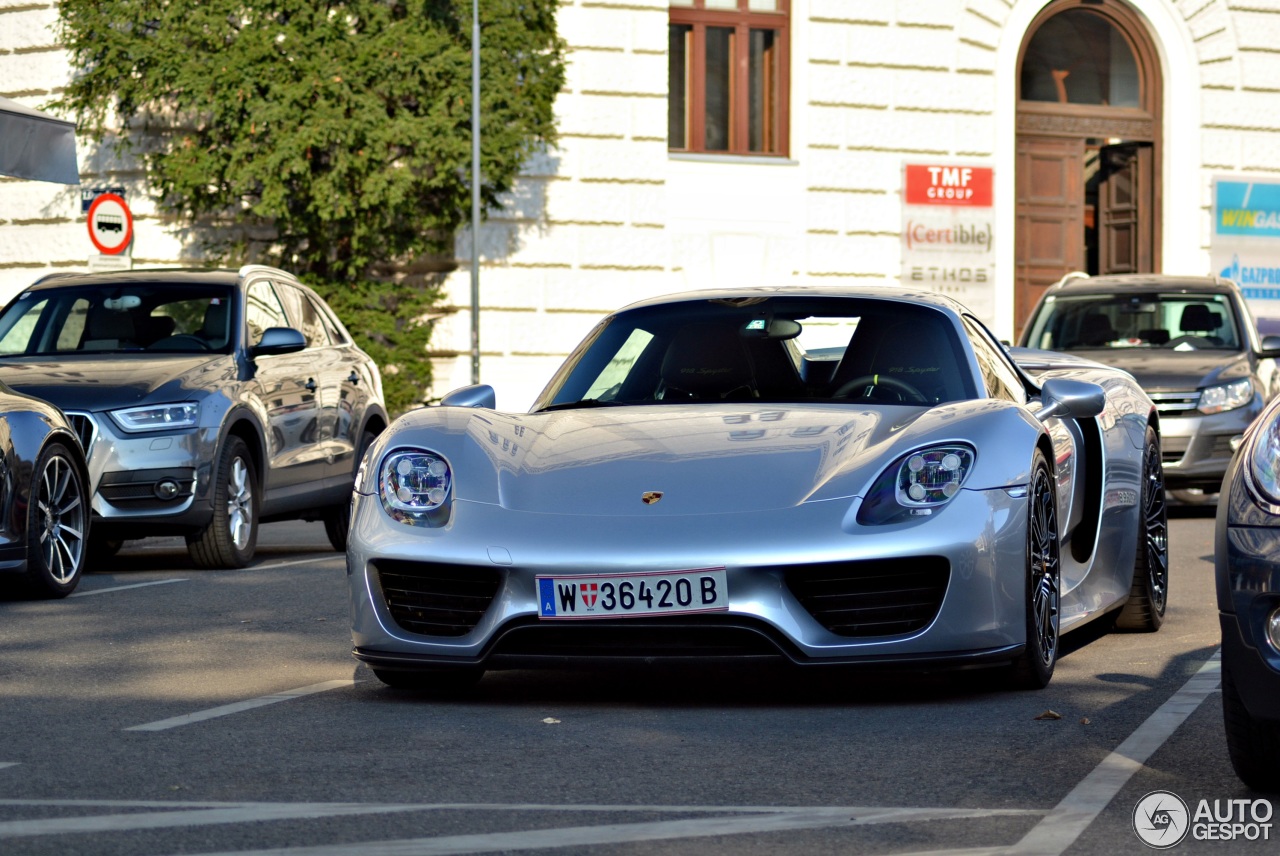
813	475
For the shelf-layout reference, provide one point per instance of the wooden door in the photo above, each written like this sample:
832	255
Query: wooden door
1050	217
1124	209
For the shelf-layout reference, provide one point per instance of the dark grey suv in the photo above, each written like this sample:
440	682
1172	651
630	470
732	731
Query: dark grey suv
1192	344
206	401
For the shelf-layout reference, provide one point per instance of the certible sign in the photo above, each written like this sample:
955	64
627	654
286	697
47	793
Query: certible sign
110	224
611	595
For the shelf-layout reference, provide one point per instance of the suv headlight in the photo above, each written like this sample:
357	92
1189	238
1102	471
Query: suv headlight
414	486
157	417
1264	460
917	484
1227	396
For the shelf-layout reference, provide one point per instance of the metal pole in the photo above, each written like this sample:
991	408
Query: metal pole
475	191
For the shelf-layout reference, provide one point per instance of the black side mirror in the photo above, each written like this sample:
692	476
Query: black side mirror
278	340
1270	348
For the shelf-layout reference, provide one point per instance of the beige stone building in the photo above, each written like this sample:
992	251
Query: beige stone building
713	142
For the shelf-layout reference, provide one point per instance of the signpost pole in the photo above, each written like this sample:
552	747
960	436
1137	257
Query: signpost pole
475	191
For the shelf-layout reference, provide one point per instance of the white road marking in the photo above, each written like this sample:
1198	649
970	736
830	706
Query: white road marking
4	764
1068	820
341	556
237	707
1055	833
725	820
772	820
88	592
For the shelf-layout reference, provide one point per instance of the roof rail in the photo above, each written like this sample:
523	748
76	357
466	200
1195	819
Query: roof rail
1075	274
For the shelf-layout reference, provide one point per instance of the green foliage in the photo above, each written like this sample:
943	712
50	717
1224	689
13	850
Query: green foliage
343	127
390	322
330	138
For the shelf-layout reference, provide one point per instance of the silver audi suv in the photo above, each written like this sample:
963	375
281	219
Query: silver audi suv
207	401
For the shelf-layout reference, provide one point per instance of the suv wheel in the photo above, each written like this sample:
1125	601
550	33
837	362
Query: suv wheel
232	535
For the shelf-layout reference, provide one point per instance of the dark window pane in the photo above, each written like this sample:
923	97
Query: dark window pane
763	96
1079	57
678	36
719	88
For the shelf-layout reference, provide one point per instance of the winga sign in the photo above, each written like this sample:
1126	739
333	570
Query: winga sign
1247	209
1245	244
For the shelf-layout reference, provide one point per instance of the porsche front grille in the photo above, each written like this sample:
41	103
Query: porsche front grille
436	599
879	597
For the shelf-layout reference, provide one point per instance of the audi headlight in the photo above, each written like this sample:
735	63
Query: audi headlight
157	417
917	484
1264	460
414	485
1227	396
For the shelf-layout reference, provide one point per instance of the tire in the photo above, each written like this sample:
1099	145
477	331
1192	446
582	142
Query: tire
338	519
1253	744
57	524
102	548
231	537
1149	591
439	682
1034	667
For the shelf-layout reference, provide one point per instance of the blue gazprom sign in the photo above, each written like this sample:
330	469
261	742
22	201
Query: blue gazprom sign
1247	209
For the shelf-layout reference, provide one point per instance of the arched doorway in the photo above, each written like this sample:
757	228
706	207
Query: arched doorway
1088	147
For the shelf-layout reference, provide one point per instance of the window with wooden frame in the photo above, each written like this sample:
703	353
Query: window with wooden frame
729	76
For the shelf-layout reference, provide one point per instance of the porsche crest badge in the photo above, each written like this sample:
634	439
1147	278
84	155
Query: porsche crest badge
649	497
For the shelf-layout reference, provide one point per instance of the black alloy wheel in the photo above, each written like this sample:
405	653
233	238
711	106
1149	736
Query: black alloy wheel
1149	594
230	539
1034	667
57	523
338	519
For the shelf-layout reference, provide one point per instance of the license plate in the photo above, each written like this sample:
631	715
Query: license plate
611	595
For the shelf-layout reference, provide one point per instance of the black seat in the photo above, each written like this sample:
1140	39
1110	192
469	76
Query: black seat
1096	330
108	330
1200	319
216	329
706	361
906	361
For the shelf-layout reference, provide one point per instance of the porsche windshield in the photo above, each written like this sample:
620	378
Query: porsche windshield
1178	321
783	349
112	319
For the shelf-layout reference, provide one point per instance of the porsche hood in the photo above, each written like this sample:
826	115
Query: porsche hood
674	460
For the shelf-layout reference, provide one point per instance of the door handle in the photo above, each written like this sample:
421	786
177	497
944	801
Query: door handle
311	384
353	378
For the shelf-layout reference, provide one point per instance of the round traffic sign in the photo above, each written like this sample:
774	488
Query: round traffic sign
110	224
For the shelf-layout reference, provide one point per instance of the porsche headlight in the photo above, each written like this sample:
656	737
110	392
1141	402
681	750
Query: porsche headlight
1264	460
157	417
414	483
915	485
1227	396
931	477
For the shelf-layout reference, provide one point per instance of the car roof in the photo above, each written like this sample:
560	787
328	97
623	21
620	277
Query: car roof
181	276
1142	282
866	292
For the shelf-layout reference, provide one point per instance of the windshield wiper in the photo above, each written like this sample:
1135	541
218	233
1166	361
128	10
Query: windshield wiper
586	402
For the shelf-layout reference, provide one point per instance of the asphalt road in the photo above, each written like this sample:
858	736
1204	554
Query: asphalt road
164	710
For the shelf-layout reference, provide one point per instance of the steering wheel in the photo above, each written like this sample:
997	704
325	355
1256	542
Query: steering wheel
179	342
1194	341
906	392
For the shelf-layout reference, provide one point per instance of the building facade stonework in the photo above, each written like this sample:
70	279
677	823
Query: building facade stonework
614	213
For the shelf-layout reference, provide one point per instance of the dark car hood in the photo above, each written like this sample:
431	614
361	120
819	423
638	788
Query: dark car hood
122	380
1162	369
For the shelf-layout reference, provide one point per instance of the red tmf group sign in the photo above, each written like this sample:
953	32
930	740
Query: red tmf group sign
949	185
